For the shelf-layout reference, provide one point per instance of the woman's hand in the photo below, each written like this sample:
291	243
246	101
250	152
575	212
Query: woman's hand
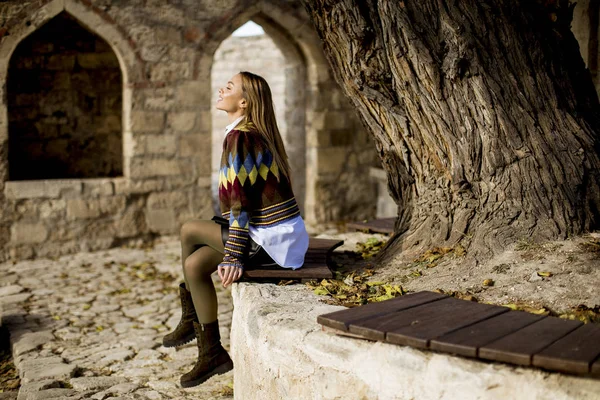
229	274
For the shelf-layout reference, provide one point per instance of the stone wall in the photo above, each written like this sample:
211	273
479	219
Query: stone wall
165	54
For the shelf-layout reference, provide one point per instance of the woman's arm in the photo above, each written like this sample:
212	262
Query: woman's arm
241	175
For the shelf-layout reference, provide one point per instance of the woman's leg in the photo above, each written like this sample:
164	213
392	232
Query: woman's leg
201	252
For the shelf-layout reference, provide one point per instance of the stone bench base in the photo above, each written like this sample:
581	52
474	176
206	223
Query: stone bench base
279	351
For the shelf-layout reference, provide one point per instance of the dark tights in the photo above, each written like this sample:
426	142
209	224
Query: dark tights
201	252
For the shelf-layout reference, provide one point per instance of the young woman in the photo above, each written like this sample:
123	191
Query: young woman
262	225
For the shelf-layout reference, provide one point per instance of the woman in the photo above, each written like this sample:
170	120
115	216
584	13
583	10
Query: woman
262	224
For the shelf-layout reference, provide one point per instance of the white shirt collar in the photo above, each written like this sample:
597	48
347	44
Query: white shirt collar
233	124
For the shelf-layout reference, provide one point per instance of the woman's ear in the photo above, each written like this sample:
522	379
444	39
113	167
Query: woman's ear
243	104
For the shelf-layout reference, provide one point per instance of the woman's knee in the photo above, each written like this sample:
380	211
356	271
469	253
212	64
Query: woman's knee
192	231
197	267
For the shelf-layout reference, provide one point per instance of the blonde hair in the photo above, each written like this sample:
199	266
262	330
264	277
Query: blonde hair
261	113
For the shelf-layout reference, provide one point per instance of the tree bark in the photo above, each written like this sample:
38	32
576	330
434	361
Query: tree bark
483	112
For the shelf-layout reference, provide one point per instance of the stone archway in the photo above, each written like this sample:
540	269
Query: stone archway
282	65
64	100
125	53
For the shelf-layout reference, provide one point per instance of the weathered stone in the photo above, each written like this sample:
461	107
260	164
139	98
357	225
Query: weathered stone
45	368
14	298
31	341
151	167
92	208
193	93
11	289
161	220
163	200
147	122
50	394
96	382
159	144
24	233
182	121
40	189
170	71
193	144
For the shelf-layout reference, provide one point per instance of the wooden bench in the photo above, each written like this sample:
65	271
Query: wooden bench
382	225
316	264
434	321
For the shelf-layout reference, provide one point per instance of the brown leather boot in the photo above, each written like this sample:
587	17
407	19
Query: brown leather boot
184	332
212	357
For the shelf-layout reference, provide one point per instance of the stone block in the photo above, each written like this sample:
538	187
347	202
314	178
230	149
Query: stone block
182	121
341	137
194	145
167	35
42	189
159	144
97	60
98	187
40	368
65	62
170	71
52	208
147	121
31	341
93	208
96	382
169	200
203	167
331	159
151	167
193	93
318	138
10	290
28	233
153	52
56	393
161	221
128	186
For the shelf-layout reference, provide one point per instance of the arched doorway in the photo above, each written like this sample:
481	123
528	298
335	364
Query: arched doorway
64	98
261	50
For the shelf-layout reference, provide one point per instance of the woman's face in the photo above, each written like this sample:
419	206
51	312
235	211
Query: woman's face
230	97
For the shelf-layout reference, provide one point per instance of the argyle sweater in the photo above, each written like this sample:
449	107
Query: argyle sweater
252	191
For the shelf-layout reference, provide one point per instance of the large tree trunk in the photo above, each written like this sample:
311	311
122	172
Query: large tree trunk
483	113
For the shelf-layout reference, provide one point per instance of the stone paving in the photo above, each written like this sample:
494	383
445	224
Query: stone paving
90	325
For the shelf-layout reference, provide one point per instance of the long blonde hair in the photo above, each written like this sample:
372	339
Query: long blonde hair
261	113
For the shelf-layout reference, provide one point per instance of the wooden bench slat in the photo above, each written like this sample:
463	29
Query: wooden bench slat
468	340
376	328
573	353
342	319
519	347
441	320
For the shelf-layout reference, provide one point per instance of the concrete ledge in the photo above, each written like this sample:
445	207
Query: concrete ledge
280	352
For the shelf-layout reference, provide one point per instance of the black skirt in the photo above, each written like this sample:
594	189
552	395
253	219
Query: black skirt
258	258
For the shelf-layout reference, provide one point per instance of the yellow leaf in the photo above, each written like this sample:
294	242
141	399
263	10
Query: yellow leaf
539	312
374	283
488	282
511	306
321	291
544	273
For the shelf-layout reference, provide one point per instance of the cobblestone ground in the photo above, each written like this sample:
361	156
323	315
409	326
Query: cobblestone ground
90	325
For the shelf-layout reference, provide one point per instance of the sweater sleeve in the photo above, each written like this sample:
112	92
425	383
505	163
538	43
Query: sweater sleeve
241	175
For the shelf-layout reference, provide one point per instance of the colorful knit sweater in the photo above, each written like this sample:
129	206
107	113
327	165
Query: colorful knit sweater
252	191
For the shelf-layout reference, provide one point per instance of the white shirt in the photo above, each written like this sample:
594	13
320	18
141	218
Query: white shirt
286	242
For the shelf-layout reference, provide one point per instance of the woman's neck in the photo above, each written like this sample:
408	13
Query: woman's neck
233	116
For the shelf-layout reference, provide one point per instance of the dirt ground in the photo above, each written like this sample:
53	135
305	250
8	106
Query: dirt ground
558	276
